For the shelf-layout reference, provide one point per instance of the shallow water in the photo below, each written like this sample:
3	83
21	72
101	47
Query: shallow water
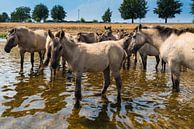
30	101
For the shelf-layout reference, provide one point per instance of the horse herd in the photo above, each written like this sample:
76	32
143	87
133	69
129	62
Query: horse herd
105	52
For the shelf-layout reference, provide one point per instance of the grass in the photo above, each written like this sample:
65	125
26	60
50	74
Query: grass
2	35
78	27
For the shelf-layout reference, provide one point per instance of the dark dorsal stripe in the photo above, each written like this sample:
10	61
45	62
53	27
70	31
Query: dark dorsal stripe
168	31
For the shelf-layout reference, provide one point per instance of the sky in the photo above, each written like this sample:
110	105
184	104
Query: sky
94	9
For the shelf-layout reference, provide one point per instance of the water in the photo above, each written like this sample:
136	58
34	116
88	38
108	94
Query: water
2	40
29	101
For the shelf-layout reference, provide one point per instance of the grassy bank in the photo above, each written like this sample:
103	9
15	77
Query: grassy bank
2	34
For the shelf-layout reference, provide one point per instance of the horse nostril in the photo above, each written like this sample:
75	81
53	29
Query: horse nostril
7	50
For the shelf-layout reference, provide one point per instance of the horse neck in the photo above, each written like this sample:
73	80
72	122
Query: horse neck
122	41
22	36
153	38
69	49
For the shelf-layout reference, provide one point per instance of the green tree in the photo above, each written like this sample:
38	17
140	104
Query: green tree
4	17
168	8
142	9
192	7
21	14
58	13
107	16
133	9
40	13
82	20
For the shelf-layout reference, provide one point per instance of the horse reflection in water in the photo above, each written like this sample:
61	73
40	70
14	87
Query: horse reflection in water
35	95
105	117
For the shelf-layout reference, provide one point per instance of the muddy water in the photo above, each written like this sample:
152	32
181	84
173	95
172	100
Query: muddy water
30	101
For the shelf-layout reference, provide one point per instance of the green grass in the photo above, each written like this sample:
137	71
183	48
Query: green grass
2	35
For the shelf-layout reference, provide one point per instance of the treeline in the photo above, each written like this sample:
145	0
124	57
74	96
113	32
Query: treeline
39	13
129	9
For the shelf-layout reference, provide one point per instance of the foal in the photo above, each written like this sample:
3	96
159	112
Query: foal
97	57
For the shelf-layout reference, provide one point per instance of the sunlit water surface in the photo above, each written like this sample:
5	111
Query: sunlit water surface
30	101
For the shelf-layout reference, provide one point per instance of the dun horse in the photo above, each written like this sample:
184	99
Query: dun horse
27	41
144	51
176	47
97	57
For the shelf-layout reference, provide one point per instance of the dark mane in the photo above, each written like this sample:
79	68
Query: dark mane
168	31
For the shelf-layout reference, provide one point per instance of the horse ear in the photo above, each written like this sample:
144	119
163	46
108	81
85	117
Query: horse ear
12	31
105	27
50	34
139	27
62	34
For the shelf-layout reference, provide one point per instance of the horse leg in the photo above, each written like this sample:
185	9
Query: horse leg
106	74
144	61
135	61
41	59
63	63
124	62
157	62
21	61
163	66
128	62
48	56
32	61
175	75
118	81
78	87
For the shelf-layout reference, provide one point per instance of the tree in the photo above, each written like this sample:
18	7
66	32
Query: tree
107	16
168	8
192	7
58	13
82	20
21	14
4	17
133	9
142	9
40	13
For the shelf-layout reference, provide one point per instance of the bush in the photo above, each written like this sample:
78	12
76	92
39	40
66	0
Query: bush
95	21
82	20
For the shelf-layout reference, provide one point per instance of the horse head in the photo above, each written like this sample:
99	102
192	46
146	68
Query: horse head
56	47
107	31
138	39
12	40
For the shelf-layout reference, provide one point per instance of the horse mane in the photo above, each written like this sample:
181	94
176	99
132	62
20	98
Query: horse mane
168	31
70	40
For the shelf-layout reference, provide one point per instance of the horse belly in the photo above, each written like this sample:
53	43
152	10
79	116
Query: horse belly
96	64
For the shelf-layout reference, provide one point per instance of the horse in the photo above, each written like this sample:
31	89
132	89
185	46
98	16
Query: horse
50	48
97	57
144	51
176	47
27	41
88	37
108	33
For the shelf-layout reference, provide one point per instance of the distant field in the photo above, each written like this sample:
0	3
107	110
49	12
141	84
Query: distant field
78	27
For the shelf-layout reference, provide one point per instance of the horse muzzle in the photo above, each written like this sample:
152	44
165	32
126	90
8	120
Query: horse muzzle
7	50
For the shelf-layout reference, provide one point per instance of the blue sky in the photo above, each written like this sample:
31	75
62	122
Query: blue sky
94	9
